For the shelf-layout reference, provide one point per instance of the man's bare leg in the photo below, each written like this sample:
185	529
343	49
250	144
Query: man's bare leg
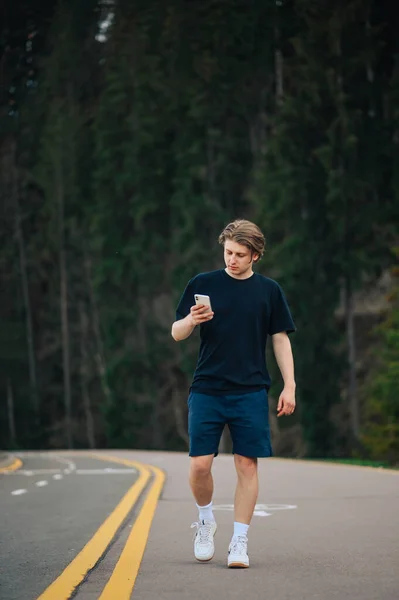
247	488
201	483
244	504
201	480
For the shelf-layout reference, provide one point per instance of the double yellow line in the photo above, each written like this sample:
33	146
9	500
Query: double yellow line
16	464
122	580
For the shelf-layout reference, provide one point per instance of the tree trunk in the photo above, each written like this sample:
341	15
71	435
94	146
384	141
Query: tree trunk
158	440
10	412
279	76
351	345
25	286
180	428
84	374
278	60
349	249
370	71
64	305
99	354
173	385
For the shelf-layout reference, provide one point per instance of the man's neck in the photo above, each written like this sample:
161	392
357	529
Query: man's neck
245	275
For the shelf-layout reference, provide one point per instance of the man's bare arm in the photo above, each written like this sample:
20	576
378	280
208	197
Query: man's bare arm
283	353
183	328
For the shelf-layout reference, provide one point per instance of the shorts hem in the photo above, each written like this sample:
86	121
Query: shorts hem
264	454
193	454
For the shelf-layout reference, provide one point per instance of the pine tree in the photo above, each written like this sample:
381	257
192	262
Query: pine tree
380	434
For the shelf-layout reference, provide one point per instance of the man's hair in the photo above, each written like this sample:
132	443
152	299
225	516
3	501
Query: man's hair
246	233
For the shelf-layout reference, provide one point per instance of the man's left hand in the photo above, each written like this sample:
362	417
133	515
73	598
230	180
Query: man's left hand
286	403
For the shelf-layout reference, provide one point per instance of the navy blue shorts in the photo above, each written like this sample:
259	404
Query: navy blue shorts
247	416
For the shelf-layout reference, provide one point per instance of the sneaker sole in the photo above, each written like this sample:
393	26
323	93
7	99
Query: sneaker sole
238	565
204	559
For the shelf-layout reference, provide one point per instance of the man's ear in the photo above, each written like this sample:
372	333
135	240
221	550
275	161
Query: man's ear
255	257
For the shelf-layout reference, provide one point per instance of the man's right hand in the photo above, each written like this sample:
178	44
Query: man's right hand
200	313
183	328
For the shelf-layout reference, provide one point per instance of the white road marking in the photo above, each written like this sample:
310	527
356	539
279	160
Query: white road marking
41	483
38	471
34	472
276	506
106	471
58	476
260	509
18	492
71	465
48	456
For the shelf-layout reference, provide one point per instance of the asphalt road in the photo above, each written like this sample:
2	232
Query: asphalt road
45	526
320	531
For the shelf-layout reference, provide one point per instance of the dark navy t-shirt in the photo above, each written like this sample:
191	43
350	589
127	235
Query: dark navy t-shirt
233	344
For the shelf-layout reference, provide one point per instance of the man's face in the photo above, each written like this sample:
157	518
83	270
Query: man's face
238	259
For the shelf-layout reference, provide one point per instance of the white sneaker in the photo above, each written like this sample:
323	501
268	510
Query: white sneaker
238	556
204	547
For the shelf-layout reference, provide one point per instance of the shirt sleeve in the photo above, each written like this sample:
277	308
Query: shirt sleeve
186	301
280	317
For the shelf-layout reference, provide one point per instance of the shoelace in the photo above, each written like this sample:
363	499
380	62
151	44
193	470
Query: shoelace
204	532
239	545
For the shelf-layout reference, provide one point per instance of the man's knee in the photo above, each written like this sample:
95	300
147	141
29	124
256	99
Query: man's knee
201	466
246	465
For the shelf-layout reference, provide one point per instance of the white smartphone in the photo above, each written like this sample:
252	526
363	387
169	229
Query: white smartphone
203	299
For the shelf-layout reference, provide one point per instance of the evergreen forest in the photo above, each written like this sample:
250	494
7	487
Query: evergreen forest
131	133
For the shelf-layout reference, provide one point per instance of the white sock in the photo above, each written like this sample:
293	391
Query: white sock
205	512
240	528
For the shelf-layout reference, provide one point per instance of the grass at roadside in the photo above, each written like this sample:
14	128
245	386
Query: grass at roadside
358	462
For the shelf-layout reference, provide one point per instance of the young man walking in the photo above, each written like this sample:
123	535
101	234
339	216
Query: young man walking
231	380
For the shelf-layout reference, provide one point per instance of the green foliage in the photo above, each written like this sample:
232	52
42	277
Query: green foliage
381	430
315	190
184	117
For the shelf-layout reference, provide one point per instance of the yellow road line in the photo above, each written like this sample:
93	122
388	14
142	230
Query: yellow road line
115	459
16	464
123	578
75	572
